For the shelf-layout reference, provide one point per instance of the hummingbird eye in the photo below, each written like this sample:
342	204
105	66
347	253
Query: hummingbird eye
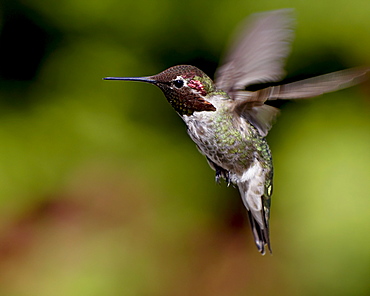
178	83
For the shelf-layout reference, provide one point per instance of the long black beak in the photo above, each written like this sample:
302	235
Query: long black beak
141	79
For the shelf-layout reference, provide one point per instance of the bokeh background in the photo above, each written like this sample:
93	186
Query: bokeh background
103	193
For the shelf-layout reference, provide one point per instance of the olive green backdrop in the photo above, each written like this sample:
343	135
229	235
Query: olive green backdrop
103	193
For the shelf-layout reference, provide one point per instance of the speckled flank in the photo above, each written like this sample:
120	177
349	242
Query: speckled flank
229	146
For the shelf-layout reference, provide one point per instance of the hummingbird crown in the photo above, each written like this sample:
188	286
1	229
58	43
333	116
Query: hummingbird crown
186	88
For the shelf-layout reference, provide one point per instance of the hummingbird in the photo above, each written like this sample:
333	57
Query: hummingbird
228	123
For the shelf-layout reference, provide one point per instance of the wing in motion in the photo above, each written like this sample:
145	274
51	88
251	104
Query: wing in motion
257	55
258	52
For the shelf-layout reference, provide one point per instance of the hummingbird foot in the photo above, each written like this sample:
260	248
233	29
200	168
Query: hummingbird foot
221	173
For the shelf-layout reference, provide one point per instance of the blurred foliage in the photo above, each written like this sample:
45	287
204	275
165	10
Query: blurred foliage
103	193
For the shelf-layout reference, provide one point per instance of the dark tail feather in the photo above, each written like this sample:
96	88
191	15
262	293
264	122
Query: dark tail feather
261	236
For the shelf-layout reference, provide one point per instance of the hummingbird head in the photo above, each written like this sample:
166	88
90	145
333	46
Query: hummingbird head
185	87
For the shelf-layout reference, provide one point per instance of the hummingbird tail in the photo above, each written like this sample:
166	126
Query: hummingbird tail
261	235
255	189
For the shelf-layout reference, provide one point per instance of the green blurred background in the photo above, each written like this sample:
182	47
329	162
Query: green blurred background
103	193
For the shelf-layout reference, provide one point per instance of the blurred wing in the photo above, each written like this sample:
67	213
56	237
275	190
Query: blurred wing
258	52
316	86
250	105
262	117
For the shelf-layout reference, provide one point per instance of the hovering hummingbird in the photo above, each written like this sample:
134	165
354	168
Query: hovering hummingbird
228	123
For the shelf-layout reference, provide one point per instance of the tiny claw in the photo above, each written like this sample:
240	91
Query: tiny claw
222	174
218	176
228	179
